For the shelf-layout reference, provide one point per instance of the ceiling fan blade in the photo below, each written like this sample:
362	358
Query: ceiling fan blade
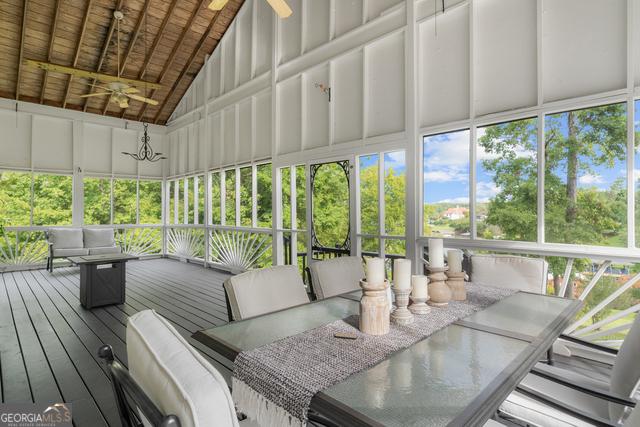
130	90
123	104
217	4
281	7
143	99
95	94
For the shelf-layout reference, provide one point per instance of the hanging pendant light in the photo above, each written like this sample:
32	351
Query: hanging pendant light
146	151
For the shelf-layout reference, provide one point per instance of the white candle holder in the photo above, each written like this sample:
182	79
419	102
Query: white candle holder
439	292
401	315
374	308
419	306
455	281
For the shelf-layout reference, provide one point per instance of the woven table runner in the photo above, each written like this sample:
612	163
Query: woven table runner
274	384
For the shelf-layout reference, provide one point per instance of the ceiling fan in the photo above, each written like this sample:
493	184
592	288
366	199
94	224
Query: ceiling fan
279	6
118	90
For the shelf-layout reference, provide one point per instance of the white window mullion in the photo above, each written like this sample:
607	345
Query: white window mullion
381	205
185	191
358	214
631	226
237	171
254	196
294	216
472	182
223	197
196	199
541	167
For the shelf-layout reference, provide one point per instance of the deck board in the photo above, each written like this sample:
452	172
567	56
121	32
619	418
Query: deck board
49	342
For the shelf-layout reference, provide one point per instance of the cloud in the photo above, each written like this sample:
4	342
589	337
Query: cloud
446	150
590	179
458	200
394	160
446	175
486	190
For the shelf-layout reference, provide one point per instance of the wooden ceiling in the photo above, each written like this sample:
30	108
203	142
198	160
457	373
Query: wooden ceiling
81	33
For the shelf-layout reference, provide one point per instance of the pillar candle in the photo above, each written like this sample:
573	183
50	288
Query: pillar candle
436	253
375	271
454	259
419	286
402	273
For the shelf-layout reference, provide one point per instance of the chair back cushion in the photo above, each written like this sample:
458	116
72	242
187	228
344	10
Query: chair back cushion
513	272
336	276
174	375
99	238
263	291
625	374
65	238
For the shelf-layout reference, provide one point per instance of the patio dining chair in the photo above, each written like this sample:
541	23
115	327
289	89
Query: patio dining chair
550	396
263	291
507	271
169	383
336	276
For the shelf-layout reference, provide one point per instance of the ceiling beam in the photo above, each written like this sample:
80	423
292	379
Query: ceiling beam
103	53
132	42
174	51
54	25
22	31
78	72
188	65
85	20
154	45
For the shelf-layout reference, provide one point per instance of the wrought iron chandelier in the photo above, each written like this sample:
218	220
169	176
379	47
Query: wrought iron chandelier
146	151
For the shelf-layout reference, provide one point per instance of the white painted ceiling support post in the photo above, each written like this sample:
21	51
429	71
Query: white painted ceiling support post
294	215
412	158
631	178
356	243
223	197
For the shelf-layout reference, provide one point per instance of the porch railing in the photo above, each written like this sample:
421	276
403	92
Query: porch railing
607	280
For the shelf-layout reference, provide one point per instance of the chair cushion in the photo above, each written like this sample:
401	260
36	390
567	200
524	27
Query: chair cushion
263	291
336	276
70	252
506	271
98	237
174	375
625	374
65	238
105	250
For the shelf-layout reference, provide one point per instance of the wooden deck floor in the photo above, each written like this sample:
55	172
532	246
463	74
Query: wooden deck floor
48	342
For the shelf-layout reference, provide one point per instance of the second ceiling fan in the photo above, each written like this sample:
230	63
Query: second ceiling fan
279	6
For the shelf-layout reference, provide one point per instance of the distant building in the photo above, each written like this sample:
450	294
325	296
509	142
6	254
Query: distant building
455	213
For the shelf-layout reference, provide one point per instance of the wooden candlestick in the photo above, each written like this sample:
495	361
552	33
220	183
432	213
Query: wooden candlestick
455	281
401	315
439	292
419	306
374	308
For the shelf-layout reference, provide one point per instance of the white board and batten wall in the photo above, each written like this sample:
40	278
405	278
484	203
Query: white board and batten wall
52	140
481	60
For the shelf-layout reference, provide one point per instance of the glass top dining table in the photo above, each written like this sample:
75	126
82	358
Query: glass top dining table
457	376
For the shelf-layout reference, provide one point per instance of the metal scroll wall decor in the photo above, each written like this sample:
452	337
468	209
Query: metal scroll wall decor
316	245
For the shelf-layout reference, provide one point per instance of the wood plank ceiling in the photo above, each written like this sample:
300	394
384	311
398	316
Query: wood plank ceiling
169	49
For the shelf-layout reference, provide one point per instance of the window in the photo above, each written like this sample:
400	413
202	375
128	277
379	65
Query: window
150	202
585	176
216	217
15	198
369	209
506	183
180	202
446	185
190	185
246	197
200	185
230	199
636	172
125	193
285	176
395	172
301	199
97	201
172	215
52	199
264	195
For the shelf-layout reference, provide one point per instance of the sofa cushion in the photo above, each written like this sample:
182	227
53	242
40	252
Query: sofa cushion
263	291
105	250
98	237
174	375
70	252
506	271
65	238
336	276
